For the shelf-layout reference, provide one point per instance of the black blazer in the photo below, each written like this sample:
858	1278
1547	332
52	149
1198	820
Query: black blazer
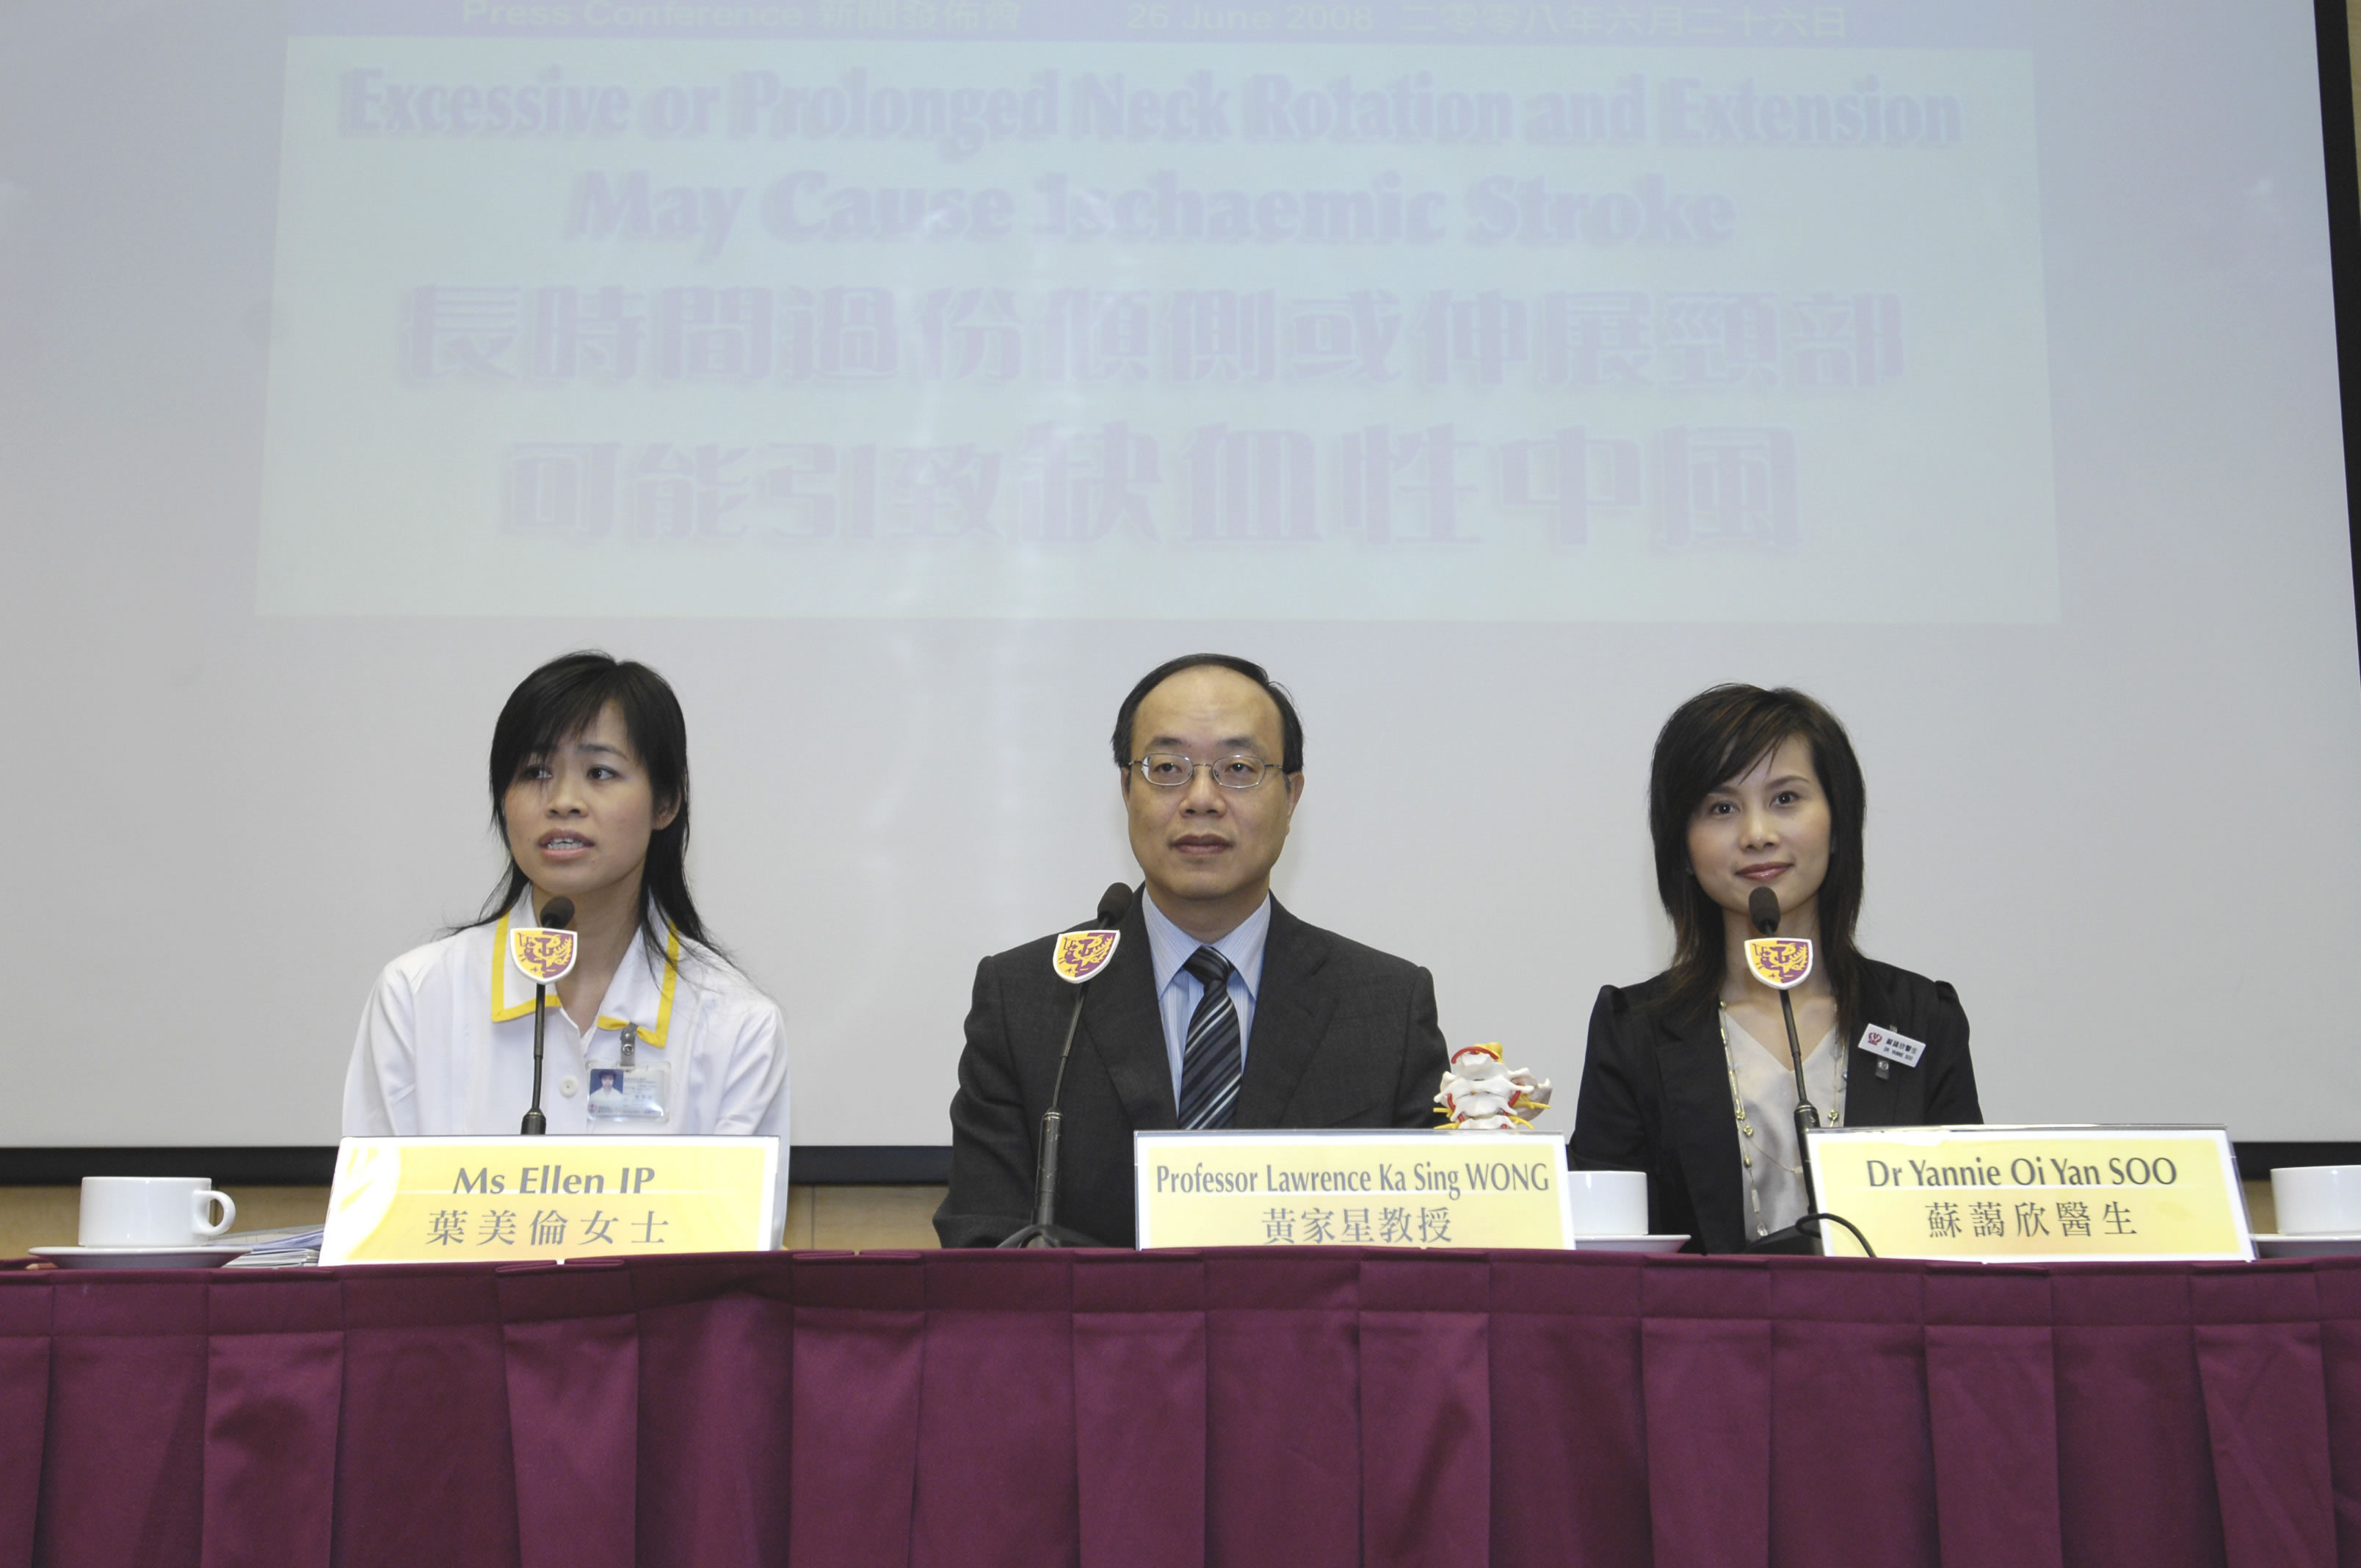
1655	1095
1343	1036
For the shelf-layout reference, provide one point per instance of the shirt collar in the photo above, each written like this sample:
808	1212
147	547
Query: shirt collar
640	993
1169	947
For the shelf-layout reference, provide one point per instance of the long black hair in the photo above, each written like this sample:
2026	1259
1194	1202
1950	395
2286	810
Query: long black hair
1717	736
557	702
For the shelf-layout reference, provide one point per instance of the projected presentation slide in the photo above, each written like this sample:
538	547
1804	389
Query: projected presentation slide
1532	312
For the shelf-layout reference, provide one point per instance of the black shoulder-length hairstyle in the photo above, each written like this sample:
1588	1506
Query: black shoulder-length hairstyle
557	702
1715	737
1291	727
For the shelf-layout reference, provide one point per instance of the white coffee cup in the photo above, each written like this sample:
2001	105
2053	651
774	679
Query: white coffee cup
152	1210
2316	1199
1609	1202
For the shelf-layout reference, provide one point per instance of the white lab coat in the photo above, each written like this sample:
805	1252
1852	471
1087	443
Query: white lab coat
446	1045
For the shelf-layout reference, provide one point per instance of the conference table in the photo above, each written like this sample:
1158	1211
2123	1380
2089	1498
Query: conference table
1297	1406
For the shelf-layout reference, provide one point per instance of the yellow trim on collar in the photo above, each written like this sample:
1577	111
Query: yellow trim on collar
502	1011
656	1036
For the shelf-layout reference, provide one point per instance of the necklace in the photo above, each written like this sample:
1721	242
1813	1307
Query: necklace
1746	1122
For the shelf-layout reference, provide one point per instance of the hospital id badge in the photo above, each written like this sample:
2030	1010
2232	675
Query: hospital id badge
629	1090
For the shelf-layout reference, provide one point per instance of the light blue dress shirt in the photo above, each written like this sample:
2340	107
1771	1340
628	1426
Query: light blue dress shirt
1178	992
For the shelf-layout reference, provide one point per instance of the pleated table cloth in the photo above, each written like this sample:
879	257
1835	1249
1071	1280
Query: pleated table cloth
1308	1407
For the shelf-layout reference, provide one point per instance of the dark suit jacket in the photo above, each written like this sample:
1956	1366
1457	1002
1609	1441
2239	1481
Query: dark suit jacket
1655	1095
1343	1036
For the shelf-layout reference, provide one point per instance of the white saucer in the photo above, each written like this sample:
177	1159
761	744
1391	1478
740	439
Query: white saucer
2345	1244
205	1254
1629	1244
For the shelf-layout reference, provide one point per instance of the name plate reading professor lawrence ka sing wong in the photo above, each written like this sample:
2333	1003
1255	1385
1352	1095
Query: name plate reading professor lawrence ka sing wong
2033	1194
453	1199
1353	1189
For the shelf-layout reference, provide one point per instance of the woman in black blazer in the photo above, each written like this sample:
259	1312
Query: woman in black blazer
1688	1075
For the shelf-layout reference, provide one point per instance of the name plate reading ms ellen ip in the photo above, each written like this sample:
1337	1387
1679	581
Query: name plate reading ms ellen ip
2033	1194
1353	1189
448	1200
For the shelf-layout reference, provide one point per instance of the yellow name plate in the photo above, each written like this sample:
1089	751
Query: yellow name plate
452	1200
1353	1189
2032	1194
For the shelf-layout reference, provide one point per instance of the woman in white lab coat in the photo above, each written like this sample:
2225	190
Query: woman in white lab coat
589	786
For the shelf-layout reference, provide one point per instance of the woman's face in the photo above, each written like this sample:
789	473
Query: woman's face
1767	827
579	818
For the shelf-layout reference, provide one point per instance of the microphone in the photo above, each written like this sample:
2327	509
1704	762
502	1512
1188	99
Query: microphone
1763	910
1114	904
555	916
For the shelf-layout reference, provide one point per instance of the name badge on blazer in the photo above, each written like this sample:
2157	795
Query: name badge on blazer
1880	1041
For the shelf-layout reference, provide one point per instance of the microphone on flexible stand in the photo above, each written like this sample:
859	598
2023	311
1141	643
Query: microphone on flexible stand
1762	909
555	916
1077	962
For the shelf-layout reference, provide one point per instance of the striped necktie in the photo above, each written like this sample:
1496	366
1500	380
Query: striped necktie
1211	1062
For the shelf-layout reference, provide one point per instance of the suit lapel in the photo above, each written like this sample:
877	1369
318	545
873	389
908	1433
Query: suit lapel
1126	1030
1872	1101
1704	1129
1291	1017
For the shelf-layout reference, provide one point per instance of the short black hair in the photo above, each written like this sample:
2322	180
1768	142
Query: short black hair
1290	728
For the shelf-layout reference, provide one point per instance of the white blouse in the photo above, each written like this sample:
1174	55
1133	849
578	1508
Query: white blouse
1768	1086
445	1044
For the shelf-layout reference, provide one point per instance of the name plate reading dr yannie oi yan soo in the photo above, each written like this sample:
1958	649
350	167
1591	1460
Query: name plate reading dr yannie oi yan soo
2033	1194
454	1199
1353	1189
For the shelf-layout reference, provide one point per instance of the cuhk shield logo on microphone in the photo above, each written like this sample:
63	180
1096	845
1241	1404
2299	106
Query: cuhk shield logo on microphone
541	955
1082	954
1781	962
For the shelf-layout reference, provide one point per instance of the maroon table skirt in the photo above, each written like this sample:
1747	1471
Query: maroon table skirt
1298	1406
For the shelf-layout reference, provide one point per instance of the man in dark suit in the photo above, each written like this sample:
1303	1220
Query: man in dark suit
1220	1009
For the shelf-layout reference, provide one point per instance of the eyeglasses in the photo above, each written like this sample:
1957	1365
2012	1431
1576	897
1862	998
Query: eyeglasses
1170	770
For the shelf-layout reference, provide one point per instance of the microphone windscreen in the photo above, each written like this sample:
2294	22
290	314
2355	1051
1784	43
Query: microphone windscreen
1763	908
1115	904
558	912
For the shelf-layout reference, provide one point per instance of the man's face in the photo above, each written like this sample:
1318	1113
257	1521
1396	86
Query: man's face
1207	852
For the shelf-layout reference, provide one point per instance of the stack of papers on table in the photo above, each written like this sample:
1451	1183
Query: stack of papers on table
291	1248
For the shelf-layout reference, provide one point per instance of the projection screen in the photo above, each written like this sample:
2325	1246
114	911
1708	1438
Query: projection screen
903	377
